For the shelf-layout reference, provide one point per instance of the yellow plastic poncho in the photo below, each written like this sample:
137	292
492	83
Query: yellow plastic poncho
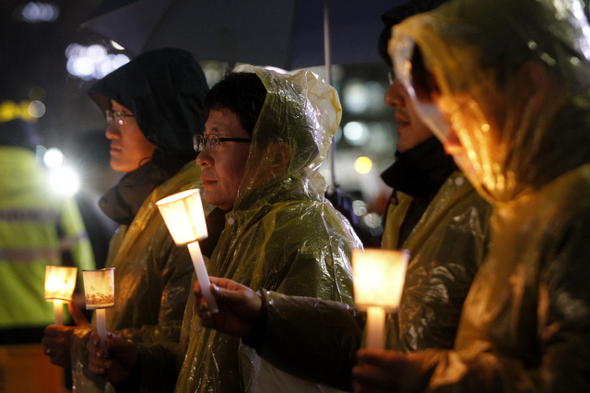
525	325
152	282
447	247
281	235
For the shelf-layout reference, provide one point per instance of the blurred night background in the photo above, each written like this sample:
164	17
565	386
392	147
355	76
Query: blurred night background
47	62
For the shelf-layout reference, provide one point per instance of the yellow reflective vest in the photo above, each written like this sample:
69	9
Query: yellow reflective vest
37	225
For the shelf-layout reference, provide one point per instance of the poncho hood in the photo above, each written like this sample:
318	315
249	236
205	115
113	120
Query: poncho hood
302	112
165	89
513	142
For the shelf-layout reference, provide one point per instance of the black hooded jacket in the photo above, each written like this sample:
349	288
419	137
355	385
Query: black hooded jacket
165	90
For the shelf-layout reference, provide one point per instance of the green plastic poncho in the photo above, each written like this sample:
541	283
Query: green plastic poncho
281	235
514	77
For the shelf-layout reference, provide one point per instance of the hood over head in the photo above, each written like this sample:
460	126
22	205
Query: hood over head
300	115
165	89
513	78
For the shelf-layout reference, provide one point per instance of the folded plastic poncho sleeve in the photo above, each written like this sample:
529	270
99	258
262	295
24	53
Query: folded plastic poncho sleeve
318	321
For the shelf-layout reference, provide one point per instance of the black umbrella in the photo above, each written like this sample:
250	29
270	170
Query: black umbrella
289	34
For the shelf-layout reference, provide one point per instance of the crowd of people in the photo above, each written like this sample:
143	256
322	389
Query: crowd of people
490	181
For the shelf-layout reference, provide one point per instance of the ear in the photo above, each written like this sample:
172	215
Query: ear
280	154
534	83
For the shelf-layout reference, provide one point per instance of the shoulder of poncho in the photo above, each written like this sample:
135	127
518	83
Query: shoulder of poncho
186	178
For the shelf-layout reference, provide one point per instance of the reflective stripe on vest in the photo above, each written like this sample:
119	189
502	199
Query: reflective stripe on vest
66	243
24	255
20	214
28	255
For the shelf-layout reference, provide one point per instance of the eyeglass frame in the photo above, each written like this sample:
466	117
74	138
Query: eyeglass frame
208	144
118	116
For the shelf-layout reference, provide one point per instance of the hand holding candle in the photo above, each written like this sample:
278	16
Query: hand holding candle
99	289
60	282
379	277
184	216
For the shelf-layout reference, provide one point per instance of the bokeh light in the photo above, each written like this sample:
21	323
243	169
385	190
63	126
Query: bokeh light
363	165
92	62
35	12
65	181
356	133
53	158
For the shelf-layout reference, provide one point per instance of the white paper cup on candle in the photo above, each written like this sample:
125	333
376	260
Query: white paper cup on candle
60	282
379	277
99	291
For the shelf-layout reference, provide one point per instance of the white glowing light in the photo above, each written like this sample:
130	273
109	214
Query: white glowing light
92	62
356	133
359	207
53	158
116	45
119	60
36	109
34	12
276	69
355	97
65	181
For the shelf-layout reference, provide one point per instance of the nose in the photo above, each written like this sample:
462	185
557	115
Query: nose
113	132
395	97
204	159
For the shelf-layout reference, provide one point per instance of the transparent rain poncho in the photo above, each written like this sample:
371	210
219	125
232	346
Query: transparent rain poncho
513	80
281	235
473	50
152	282
447	247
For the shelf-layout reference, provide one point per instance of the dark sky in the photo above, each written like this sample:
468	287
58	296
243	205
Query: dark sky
33	66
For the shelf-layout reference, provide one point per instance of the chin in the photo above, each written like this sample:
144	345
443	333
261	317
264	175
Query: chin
121	167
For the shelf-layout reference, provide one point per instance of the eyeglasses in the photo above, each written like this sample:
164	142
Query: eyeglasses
212	141
119	116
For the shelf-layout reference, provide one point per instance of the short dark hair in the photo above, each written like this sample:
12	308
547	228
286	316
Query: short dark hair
242	93
396	15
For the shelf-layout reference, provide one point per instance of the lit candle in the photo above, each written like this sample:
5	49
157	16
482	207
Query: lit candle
99	290
379	277
184	216
60	282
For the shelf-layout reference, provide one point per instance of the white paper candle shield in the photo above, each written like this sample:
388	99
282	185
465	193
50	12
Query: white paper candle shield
379	277
99	288
60	282
184	216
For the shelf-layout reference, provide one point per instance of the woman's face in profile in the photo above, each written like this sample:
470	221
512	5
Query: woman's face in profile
223	166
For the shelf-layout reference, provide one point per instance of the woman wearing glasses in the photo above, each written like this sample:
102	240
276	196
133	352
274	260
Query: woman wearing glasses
153	106
265	137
